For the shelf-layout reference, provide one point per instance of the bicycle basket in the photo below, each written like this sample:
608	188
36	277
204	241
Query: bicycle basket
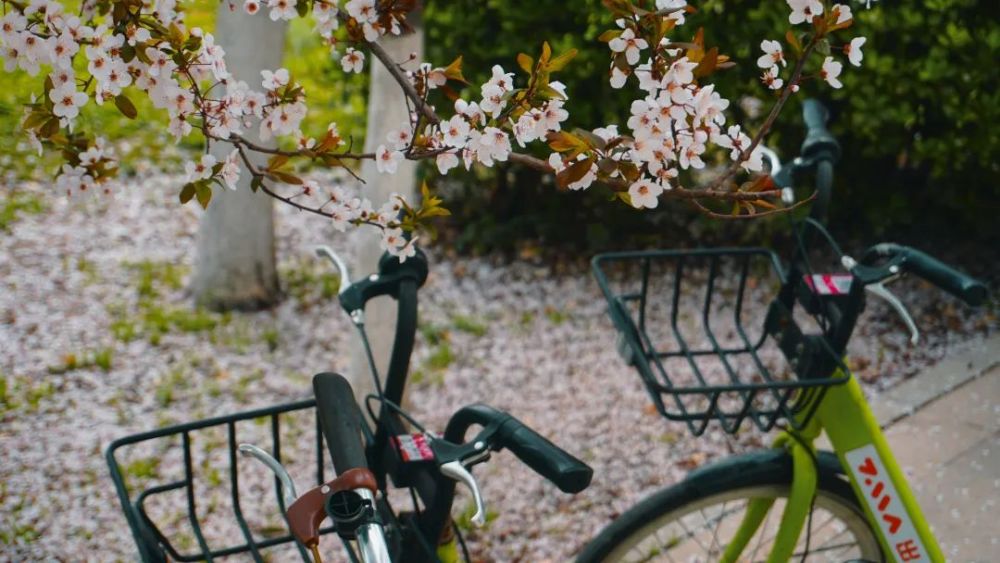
182	487
682	322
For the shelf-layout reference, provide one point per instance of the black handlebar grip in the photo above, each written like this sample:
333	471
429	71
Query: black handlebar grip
547	459
966	288
341	421
818	138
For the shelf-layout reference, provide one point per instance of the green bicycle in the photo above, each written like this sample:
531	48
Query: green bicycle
791	501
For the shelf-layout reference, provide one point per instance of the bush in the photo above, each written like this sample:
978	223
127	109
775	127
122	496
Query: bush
915	121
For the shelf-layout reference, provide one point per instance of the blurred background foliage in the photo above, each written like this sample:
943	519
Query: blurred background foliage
916	121
332	99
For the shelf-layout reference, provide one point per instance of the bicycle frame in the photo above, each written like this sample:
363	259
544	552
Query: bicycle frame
876	478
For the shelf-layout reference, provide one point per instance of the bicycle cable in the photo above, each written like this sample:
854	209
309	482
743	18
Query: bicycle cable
395	407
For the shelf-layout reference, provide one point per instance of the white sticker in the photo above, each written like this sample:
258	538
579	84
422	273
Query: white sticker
884	502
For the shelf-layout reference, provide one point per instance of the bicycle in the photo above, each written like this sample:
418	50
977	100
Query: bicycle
853	503
365	459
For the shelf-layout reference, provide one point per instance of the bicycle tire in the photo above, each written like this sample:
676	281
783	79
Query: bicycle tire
341	421
637	535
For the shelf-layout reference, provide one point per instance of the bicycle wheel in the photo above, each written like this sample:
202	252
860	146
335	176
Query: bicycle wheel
693	521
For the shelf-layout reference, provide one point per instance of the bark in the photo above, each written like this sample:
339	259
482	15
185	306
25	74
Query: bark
387	110
235	267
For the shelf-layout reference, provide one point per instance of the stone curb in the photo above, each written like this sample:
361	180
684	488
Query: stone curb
947	375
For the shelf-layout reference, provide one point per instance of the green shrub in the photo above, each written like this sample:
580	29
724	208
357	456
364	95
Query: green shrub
915	120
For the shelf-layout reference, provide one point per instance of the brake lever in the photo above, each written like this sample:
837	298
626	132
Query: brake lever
879	290
455	470
455	463
287	485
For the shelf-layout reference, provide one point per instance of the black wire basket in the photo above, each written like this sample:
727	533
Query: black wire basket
188	495
711	340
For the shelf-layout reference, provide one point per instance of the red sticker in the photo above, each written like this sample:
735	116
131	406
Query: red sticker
829	284
413	447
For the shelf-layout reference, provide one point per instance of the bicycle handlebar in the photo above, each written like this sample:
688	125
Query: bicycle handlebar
818	138
547	459
341	421
963	286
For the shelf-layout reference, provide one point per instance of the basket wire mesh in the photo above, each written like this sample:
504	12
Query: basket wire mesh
684	323
223	494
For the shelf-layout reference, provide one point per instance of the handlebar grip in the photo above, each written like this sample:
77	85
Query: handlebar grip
547	459
965	287
818	138
341	421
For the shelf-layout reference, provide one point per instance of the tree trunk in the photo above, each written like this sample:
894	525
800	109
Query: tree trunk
387	110
235	266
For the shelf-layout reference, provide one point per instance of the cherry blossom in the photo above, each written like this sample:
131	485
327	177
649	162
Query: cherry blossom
853	50
645	194
353	60
830	71
201	169
230	171
628	43
772	54
386	161
281	9
399	139
67	101
363	11
803	11
274	80
677	117
771	80
843	13
455	131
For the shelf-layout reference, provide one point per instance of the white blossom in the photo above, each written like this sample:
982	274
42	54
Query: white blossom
67	101
200	169
645	194
853	50
830	71
628	43
353	61
386	161
772	54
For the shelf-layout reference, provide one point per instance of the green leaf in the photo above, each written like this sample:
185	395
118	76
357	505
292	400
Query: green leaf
286	177
35	119
187	192
562	60
50	128
256	183
793	41
125	106
204	193
526	63
276	162
574	172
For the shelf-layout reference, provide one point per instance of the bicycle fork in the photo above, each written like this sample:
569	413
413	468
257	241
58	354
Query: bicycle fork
875	476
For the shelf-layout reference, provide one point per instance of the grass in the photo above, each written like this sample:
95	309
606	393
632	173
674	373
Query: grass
98	358
17	204
309	281
153	319
150	274
469	325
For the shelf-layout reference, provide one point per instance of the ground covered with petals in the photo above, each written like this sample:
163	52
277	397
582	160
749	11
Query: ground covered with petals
99	341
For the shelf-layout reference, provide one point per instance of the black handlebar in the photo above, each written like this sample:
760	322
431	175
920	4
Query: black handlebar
547	459
341	421
818	142
965	287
